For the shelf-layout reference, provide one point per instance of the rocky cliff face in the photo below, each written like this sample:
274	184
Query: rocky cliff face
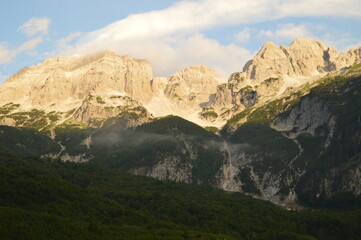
192	86
303	58
311	116
59	84
97	110
63	84
185	93
75	89
66	83
276	69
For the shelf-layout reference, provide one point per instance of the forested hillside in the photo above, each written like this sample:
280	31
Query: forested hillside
55	200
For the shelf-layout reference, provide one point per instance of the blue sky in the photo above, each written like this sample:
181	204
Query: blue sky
170	34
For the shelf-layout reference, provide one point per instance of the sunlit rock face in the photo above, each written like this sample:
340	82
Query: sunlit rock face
116	84
113	84
277	69
304	57
63	83
191	86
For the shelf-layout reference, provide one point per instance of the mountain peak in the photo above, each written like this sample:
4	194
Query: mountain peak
274	69
307	44
197	69
100	55
63	79
269	44
304	57
193	85
303	41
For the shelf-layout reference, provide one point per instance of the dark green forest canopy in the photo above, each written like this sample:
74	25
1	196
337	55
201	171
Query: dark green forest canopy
54	200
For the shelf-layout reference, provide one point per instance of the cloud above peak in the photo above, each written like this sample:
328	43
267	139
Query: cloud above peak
288	31
35	26
171	37
5	54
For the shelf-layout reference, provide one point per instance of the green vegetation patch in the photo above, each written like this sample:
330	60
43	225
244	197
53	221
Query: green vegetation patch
166	124
246	90
100	100
212	129
356	68
8	108
70	125
209	114
33	119
269	144
263	114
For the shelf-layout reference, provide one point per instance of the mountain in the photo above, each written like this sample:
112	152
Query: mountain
286	129
76	91
277	70
85	92
184	94
60	84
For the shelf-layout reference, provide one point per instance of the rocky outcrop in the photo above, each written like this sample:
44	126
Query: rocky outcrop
311	115
276	69
193	86
304	57
96	110
344	179
167	169
7	121
233	97
185	93
349	58
269	87
60	84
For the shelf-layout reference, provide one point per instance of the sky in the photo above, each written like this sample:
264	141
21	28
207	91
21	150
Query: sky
170	34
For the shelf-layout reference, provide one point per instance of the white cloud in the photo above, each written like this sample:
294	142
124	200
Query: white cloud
343	43
5	54
285	32
169	55
243	36
225	59
304	8
29	45
34	26
329	36
182	18
71	36
198	49
63	43
169	38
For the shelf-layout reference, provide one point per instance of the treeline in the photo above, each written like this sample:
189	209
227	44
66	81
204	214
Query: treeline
54	200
